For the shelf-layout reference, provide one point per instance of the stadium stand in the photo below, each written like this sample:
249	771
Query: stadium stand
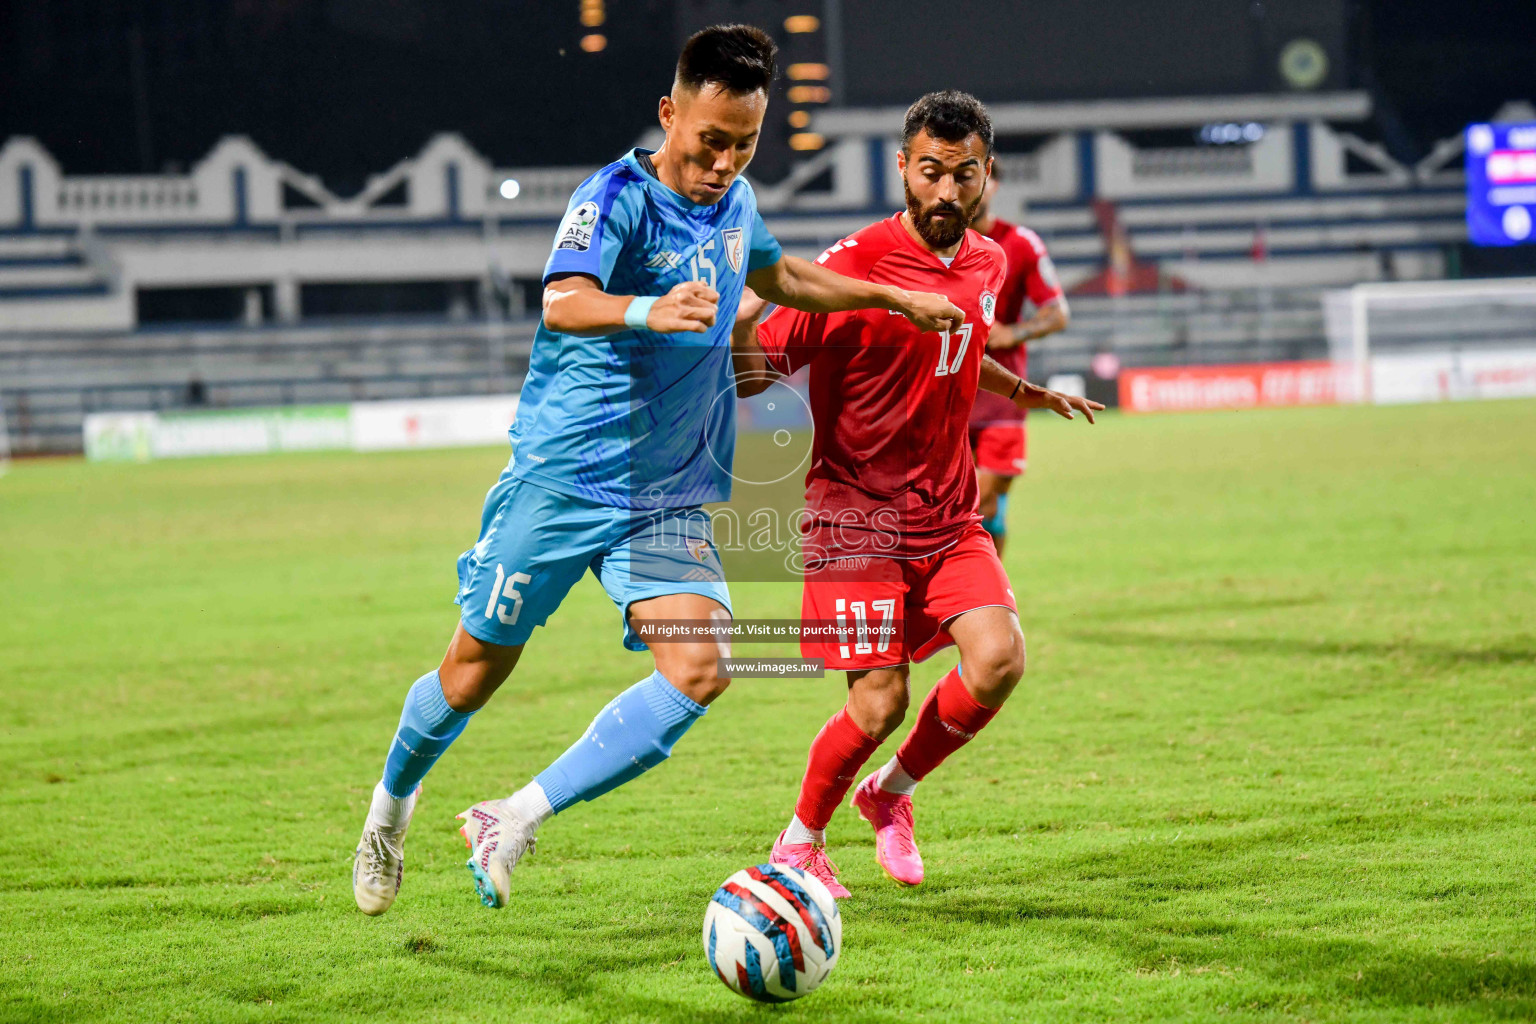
47	266
51	382
271	274
1195	327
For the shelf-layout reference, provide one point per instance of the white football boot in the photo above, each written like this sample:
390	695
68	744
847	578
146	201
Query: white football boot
378	864
497	839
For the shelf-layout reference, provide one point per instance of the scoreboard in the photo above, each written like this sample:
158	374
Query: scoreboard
1501	183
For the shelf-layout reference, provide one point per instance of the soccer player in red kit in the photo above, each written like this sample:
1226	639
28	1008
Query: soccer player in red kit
895	554
997	425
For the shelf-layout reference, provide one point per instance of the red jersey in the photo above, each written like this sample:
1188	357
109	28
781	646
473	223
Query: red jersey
891	471
1030	275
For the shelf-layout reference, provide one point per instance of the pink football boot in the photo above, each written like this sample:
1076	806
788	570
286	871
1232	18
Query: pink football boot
812	859
891	815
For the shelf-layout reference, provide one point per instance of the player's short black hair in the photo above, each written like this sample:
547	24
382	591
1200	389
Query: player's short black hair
950	115
740	58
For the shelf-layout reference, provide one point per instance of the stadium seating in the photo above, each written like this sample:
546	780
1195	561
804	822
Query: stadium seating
1252	237
1195	327
46	265
52	381
1330	240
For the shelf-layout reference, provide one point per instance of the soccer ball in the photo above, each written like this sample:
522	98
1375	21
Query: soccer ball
772	933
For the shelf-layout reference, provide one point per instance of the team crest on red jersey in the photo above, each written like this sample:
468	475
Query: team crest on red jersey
988	307
733	247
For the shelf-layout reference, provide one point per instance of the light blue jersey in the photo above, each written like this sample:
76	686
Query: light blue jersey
618	440
640	420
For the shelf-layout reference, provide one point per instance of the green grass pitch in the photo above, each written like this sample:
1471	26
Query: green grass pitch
1272	759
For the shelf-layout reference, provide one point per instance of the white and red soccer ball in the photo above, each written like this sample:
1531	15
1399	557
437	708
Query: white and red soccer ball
772	933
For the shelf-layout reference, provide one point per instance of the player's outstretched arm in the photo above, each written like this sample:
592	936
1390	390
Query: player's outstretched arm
576	304
1001	381
803	285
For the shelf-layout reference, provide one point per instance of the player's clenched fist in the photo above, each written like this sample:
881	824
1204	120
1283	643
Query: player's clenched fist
932	312
690	306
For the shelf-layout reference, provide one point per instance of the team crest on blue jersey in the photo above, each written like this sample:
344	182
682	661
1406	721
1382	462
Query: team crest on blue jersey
734	247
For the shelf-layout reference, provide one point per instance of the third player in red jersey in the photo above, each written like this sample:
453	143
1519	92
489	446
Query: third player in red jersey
897	561
997	426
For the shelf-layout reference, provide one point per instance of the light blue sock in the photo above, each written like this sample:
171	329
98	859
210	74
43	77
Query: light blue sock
427	727
997	523
633	734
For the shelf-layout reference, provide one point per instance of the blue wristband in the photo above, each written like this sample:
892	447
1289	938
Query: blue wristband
639	309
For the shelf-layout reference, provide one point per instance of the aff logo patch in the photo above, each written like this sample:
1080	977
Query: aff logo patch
576	232
735	246
988	307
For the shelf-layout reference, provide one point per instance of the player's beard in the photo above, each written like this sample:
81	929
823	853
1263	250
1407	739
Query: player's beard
939	234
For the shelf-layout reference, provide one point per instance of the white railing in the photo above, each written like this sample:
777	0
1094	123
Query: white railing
1023	168
154	195
1184	162
540	190
238	184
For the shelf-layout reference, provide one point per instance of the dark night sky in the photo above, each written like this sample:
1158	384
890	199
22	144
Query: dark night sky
345	88
1437	65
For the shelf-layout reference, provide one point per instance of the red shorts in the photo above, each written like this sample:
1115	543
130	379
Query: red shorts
895	610
999	446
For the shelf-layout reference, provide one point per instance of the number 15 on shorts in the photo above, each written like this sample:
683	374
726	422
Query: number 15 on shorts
506	586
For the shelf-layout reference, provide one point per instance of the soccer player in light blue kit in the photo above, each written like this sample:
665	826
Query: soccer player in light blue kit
619	439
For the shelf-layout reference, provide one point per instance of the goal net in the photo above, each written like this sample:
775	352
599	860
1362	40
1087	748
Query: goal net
1428	341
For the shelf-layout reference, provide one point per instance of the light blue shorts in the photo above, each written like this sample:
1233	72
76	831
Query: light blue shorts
535	544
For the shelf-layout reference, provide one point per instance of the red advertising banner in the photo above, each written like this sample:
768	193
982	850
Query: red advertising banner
1238	386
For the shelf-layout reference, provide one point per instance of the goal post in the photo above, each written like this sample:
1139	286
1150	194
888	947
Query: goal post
1405	341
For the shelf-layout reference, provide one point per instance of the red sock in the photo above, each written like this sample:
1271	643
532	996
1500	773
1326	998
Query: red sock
948	720
837	754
